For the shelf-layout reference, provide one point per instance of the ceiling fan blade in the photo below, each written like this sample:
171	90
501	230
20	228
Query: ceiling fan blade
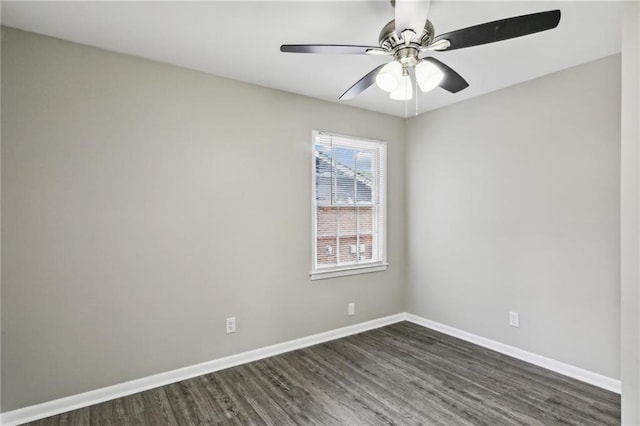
340	49
411	15
361	85
503	29
452	81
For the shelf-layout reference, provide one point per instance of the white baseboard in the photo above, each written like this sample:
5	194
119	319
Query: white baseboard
583	375
73	402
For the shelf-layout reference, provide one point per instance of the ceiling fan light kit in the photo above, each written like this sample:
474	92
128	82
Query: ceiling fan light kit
395	79
428	76
404	91
388	77
407	39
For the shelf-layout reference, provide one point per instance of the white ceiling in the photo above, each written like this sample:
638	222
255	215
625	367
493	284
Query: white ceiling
241	40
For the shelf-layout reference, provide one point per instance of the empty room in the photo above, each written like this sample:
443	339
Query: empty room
304	212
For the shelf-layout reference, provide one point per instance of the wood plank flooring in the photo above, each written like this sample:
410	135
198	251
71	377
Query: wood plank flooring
402	374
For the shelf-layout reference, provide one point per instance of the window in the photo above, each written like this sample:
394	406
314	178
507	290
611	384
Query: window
349	227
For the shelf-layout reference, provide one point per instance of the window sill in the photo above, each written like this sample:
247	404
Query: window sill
351	270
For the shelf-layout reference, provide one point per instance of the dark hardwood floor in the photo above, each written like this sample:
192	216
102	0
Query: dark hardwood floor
401	374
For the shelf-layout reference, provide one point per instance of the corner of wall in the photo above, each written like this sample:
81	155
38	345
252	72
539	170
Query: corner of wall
630	215
1	34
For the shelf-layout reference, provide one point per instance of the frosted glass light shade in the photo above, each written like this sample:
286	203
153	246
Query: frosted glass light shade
404	91
428	76
388	77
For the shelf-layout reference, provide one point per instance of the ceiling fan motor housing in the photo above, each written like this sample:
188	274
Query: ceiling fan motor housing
389	39
405	52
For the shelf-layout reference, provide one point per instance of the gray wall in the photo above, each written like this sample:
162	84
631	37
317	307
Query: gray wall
143	203
513	205
630	216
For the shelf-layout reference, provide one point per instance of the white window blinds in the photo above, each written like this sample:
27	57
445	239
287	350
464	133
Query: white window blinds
348	202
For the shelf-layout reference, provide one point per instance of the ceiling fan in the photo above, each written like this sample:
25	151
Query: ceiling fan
411	35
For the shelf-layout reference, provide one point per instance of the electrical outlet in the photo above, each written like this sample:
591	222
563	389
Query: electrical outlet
351	309
514	319
231	325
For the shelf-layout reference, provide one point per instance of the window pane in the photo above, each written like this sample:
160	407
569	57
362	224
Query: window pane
364	172
323	173
345	159
364	193
327	250
366	247
366	232
323	150
326	220
348	249
323	188
365	220
348	225
345	190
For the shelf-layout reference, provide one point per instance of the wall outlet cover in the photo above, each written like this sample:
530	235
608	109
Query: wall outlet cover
351	309
230	325
514	319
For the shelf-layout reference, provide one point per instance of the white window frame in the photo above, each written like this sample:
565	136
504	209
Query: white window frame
332	271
